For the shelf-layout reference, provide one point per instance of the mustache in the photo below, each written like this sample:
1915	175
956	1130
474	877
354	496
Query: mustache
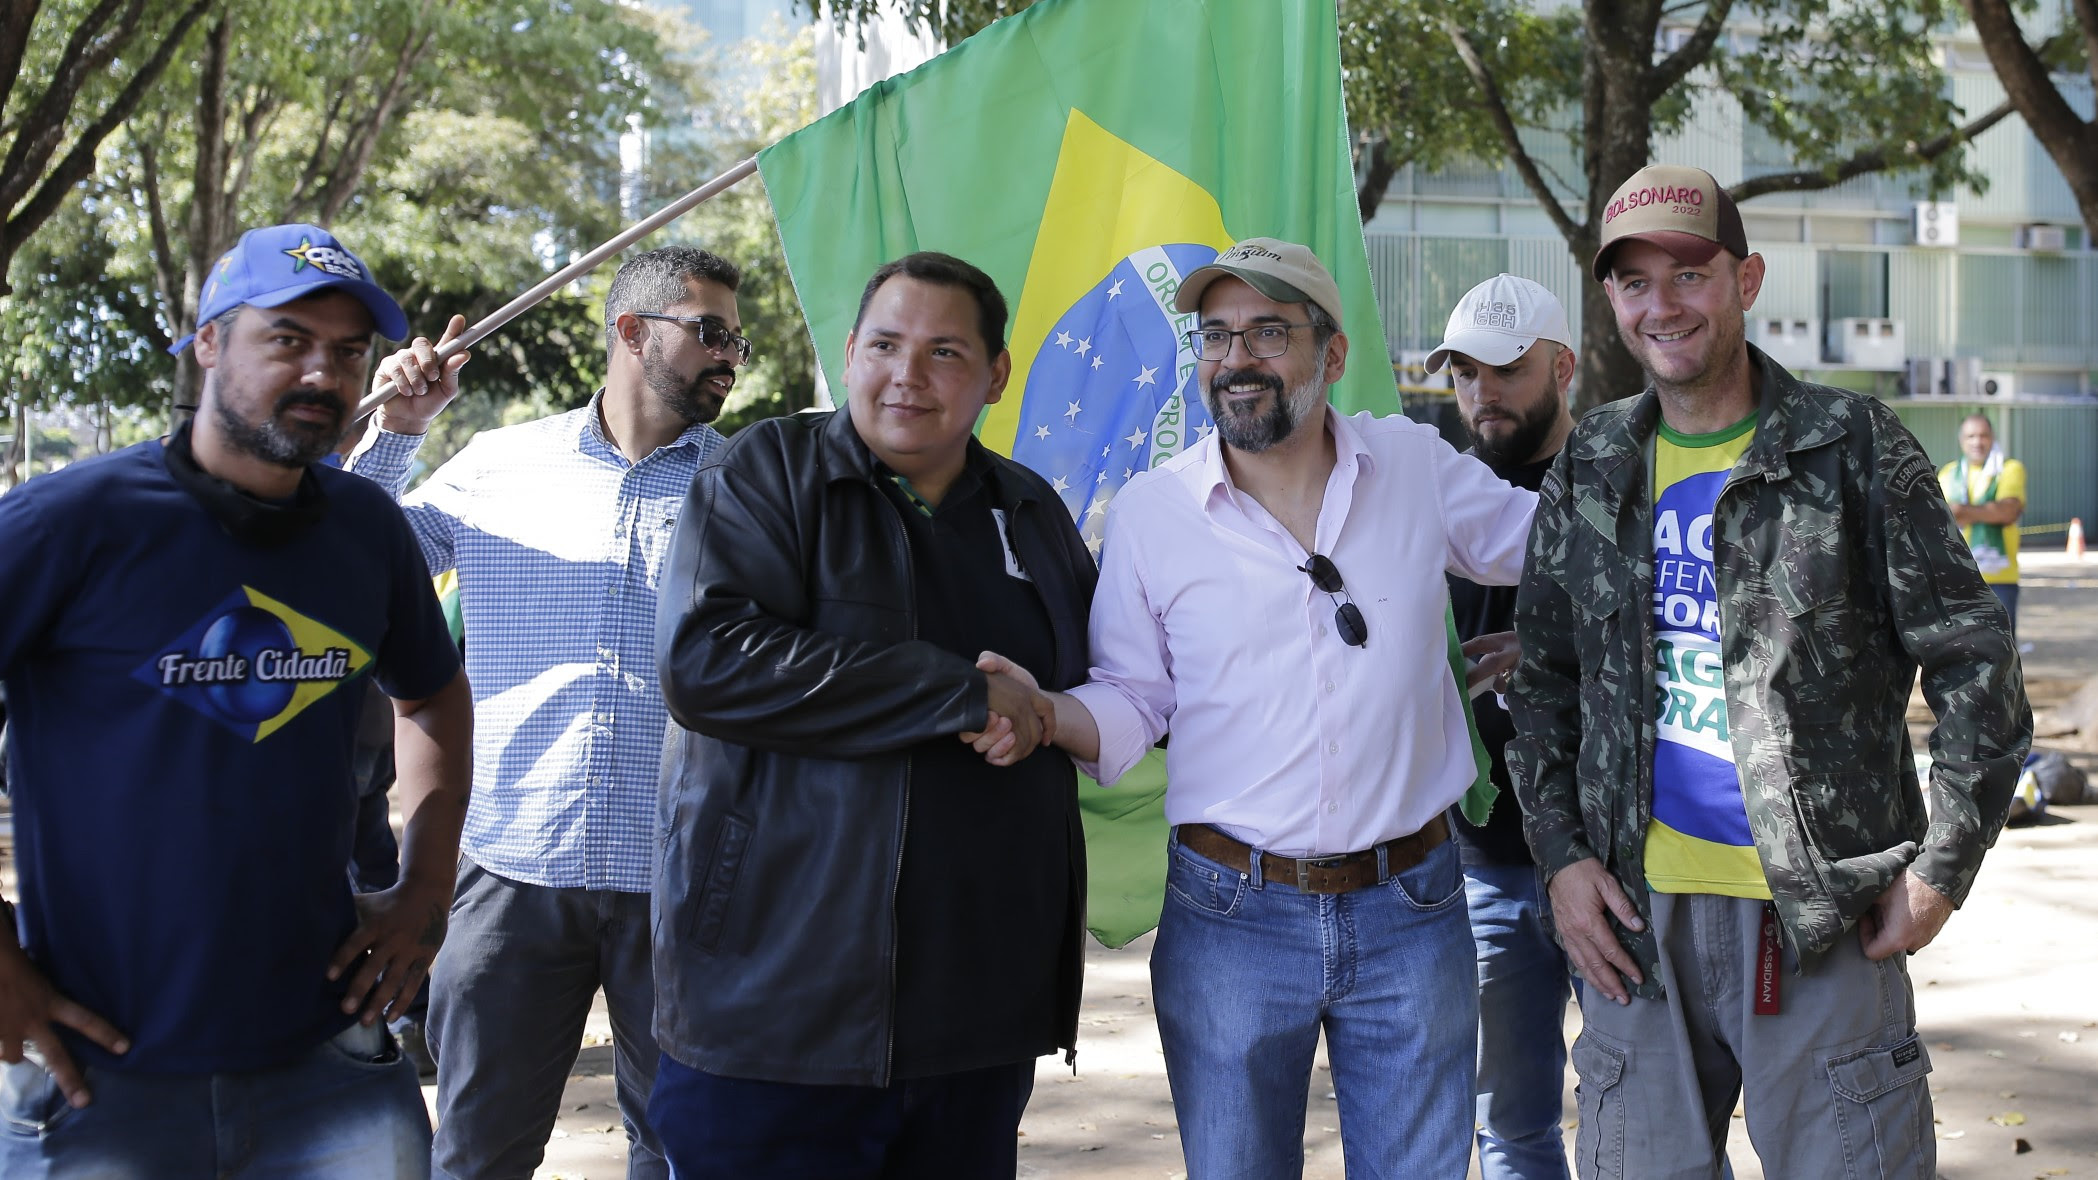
1221	383
310	397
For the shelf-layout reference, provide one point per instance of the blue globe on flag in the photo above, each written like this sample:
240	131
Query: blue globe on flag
1112	389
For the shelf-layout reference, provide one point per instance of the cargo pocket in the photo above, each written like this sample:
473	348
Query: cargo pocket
710	916
1599	1143
1881	1110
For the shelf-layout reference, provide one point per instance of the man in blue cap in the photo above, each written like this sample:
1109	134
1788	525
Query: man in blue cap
189	988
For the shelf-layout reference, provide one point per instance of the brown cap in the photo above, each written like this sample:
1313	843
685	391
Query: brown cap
1283	271
1680	209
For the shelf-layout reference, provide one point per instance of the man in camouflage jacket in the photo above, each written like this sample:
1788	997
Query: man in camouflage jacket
1833	571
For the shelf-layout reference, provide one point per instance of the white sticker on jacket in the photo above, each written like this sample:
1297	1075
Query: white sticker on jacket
1005	543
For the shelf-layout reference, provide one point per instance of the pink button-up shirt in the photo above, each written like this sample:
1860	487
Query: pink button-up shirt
1283	736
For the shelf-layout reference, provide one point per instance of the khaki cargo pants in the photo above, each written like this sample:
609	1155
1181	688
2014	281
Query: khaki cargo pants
1834	1083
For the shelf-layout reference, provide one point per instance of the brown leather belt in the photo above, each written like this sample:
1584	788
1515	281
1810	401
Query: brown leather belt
1319	874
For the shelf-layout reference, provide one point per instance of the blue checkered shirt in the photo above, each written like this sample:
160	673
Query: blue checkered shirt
559	543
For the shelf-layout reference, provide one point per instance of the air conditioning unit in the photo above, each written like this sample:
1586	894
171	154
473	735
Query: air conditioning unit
1867	343
1999	385
1793	343
1936	223
2042	237
1923	376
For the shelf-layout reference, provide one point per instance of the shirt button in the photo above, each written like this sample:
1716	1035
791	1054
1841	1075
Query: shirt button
1329	688
1322	630
1331	808
1333	747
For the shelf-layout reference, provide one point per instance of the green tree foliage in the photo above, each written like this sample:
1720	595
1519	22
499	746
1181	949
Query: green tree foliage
1841	89
73	71
777	95
464	148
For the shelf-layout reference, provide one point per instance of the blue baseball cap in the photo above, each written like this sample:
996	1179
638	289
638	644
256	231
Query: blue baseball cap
272	266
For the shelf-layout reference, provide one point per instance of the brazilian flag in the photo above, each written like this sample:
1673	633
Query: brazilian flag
1087	154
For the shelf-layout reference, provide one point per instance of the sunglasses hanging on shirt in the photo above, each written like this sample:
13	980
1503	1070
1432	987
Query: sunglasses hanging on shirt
1347	617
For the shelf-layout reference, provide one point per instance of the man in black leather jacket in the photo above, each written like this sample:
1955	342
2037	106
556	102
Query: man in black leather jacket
864	932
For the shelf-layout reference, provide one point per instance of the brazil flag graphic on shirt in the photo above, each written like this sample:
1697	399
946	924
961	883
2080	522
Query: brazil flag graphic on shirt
252	664
1699	840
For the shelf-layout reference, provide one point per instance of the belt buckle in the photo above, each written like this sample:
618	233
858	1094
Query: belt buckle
1305	864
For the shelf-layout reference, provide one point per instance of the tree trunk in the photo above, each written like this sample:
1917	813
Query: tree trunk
18	450
1617	140
2070	140
1374	169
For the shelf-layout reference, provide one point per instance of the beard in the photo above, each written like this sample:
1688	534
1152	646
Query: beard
693	401
1527	432
279	441
1252	432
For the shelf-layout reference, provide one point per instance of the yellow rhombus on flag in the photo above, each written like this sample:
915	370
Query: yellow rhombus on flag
1087	154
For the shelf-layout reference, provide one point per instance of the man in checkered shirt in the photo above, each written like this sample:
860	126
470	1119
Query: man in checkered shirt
557	530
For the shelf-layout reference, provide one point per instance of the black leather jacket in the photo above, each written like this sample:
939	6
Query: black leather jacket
786	644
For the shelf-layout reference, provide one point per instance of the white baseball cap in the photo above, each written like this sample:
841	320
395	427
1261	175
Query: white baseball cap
1498	320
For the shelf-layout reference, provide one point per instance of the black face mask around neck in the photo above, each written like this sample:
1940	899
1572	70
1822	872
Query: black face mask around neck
247	519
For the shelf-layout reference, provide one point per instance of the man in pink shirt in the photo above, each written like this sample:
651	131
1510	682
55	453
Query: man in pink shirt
1274	596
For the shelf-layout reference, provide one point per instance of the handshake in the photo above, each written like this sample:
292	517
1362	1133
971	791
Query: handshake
1022	717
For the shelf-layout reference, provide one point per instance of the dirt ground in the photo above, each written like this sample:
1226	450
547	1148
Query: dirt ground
2007	999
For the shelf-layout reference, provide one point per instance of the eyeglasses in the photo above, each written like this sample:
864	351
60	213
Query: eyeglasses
1262	341
1347	617
712	331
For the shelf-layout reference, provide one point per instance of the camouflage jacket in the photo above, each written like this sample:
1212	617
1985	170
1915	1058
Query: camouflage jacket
1839	572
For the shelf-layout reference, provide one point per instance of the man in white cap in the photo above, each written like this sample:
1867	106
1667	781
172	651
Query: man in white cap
1510	356
1734	580
1274	597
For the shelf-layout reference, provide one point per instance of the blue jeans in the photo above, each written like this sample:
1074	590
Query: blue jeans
1523	985
1245	974
2007	594
959	1126
335	1114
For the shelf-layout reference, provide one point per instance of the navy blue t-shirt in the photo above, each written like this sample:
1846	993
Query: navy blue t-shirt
183	707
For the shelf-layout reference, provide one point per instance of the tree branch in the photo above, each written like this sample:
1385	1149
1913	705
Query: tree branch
79	163
1497	110
45	124
1693	52
16	17
2087	22
1876	159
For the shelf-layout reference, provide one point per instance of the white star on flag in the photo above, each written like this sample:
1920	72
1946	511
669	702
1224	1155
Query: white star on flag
1059	486
1041	432
1135	438
1100	478
1107	450
1148	377
1071	414
1097	362
1093	544
1115	290
1204	430
1128	472
1063	340
1085	346
1097	508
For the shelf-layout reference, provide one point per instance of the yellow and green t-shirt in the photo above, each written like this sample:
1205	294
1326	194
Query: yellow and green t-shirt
1698	840
1998	562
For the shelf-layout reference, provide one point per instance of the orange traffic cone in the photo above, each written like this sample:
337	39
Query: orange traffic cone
2076	538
